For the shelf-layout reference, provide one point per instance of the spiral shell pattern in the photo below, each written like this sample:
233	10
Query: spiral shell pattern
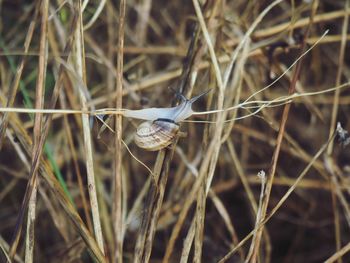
153	136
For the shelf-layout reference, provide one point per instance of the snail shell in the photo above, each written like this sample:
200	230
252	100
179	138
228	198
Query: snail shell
156	135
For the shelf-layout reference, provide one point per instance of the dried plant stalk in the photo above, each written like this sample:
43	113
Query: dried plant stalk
39	104
78	61
118	190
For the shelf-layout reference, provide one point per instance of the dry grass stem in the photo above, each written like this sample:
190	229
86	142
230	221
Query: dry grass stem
39	104
19	71
275	156
280	202
118	178
78	62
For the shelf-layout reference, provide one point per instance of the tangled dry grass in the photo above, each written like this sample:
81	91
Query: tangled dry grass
262	174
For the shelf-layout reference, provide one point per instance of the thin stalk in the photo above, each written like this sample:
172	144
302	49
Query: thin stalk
117	179
280	202
57	191
332	125
262	177
214	147
38	153
336	256
154	201
275	157
39	104
19	71
74	156
78	60
339	73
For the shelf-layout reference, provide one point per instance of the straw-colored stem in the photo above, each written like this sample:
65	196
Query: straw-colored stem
78	60
275	157
57	191
214	147
39	104
336	188
19	71
36	159
259	217
117	178
280	202
339	73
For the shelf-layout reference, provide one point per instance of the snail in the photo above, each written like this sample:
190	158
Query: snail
161	124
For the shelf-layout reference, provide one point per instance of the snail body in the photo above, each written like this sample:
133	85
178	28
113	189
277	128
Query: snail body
175	114
162	125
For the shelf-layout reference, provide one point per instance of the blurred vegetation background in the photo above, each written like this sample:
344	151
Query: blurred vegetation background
73	191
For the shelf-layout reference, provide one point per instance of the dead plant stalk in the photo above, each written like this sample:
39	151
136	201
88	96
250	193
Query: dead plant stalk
118	190
78	61
39	104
